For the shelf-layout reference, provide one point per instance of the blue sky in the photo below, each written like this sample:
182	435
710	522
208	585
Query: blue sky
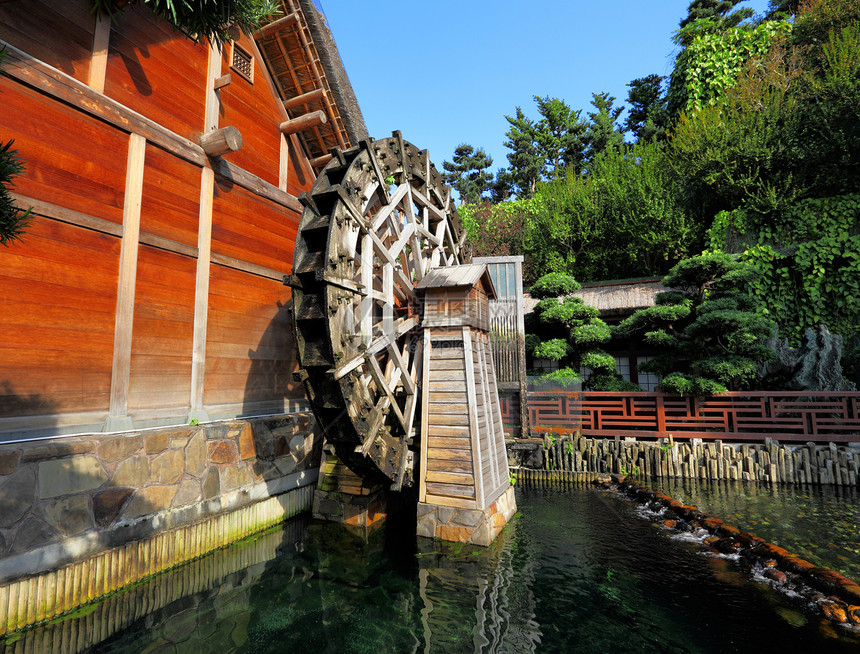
445	72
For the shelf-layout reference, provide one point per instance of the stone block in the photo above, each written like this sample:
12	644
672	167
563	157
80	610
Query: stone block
157	442
195	454
211	483
427	525
32	533
133	472
223	452
467	517
149	500
56	450
114	449
168	467
330	508
179	442
9	461
189	493
285	464
264	441
484	534
233	477
454	534
297	445
217	431
108	505
17	494
70	515
69	476
246	443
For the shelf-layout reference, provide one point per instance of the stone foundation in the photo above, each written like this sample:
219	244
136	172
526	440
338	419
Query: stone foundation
344	497
467	525
110	506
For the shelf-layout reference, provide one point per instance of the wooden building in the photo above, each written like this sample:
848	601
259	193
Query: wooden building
163	177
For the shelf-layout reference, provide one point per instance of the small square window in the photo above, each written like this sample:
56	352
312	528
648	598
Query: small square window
242	62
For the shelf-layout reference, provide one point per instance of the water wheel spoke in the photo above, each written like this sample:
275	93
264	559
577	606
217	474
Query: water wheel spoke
390	221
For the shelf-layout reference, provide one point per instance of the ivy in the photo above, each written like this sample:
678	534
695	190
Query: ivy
710	64
808	260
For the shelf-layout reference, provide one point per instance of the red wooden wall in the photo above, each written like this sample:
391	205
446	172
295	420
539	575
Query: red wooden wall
62	284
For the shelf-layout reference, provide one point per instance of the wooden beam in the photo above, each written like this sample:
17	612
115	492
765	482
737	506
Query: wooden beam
244	266
98	61
281	23
304	122
121	368
319	162
222	81
41	208
201	291
221	141
305	98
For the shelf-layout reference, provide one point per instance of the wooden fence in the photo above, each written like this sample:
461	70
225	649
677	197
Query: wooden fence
789	416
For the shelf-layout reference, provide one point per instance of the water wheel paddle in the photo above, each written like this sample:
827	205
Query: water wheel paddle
377	219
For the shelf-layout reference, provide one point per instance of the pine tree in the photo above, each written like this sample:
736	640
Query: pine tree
468	173
648	117
603	133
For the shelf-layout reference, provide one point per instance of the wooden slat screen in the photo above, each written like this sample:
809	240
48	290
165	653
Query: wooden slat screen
791	416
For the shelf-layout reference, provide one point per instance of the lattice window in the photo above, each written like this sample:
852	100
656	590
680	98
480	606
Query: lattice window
242	62
647	381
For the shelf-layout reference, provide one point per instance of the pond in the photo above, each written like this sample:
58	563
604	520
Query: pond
579	570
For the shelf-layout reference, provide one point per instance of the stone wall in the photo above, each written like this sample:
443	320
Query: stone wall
768	461
64	500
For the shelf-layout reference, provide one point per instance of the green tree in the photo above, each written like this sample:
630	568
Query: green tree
541	149
560	136
603	133
562	328
648	116
708	330
203	19
525	163
468	172
718	12
623	219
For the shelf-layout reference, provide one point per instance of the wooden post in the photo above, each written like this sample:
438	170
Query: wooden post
221	141
121	368
98	61
304	122
201	295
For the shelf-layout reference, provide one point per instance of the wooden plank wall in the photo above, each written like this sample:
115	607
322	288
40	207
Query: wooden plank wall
208	325
464	463
448	475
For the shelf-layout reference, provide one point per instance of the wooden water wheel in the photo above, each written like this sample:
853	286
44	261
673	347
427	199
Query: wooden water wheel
376	220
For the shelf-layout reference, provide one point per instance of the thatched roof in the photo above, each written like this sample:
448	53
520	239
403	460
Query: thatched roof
302	57
616	298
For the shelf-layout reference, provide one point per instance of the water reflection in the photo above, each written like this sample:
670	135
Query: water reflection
576	572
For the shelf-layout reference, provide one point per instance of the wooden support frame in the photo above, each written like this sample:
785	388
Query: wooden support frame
121	368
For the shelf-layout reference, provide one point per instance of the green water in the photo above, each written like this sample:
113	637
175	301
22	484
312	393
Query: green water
821	525
577	571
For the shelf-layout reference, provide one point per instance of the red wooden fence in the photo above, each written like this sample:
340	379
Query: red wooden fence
789	416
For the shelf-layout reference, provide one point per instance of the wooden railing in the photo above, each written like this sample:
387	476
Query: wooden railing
788	416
